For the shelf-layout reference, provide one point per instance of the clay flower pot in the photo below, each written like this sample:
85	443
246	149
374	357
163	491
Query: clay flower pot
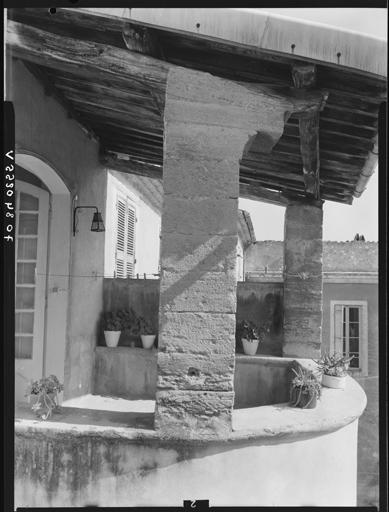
148	340
250	347
331	381
112	338
303	400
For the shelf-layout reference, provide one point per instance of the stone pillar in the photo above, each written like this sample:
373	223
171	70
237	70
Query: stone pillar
303	281
208	122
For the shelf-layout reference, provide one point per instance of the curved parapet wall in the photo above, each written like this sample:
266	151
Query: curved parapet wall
275	455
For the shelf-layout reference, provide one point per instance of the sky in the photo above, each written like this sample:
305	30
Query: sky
341	222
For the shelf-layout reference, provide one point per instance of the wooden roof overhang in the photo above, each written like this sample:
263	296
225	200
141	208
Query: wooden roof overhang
109	73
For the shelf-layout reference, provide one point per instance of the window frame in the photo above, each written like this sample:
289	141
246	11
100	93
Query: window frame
336	331
116	190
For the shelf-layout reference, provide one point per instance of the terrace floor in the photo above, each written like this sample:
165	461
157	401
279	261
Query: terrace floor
101	411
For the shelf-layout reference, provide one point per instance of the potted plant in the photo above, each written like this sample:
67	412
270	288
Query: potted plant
334	369
45	391
112	326
251	335
305	389
146	332
130	321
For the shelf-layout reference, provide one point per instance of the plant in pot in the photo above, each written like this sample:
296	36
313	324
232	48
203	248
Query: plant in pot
146	332
130	323
251	335
305	389
44	394
334	369
112	326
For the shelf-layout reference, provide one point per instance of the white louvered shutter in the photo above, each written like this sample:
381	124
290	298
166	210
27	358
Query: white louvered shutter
125	238
130	242
338	345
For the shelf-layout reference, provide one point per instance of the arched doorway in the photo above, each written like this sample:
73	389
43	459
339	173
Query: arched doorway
43	220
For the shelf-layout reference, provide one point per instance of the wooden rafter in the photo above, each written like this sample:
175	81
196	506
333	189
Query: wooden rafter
66	53
112	161
258	193
123	103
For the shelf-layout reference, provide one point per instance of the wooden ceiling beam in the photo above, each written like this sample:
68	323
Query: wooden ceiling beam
327	144
130	166
102	80
132	130
114	105
257	193
78	87
100	111
111	140
66	53
142	40
135	153
304	77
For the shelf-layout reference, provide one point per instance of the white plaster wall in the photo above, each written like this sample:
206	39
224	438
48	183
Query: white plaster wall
147	230
43	129
320	470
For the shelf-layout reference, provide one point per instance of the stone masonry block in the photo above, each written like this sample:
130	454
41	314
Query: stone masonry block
197	372
260	117
304	215
199	415
219	98
201	252
303	288
198	291
195	216
301	349
304	256
303	222
303	322
200	333
201	174
191	141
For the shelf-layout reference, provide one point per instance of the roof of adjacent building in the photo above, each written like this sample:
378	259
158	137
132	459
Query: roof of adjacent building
339	259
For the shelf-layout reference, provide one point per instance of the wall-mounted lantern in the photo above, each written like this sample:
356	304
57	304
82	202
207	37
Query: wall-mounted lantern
97	221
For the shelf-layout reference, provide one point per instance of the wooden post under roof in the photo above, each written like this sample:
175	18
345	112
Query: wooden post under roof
304	77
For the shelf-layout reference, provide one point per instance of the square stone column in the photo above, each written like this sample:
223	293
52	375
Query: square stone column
303	281
208	122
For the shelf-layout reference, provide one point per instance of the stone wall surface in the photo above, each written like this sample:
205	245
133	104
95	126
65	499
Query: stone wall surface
303	292
208	123
131	373
260	302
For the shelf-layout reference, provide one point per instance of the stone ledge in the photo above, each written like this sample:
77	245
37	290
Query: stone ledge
336	409
136	351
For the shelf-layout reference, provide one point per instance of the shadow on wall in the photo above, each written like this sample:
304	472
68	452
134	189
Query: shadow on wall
259	302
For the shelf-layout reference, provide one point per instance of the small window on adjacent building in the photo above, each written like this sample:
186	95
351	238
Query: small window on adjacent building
349	332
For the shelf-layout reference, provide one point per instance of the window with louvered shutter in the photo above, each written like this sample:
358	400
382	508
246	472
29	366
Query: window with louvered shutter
349	336
125	238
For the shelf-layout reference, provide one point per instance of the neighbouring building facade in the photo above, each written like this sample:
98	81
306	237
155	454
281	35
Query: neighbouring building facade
350	324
